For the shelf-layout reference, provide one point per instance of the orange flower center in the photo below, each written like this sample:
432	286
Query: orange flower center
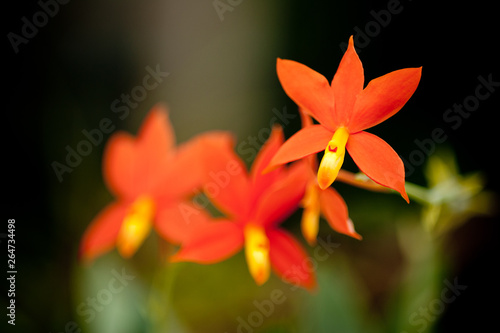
310	215
257	253
136	226
333	158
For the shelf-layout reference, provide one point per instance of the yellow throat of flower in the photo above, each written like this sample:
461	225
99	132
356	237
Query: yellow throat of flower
136	226
333	158
257	253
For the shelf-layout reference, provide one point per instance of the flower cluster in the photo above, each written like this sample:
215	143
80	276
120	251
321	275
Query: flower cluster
152	179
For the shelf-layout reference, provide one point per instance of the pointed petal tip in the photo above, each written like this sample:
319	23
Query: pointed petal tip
310	283
324	180
82	258
279	62
351	40
401	190
416	70
160	107
311	241
312	286
270	167
323	184
87	257
260	279
174	258
352	232
157	113
180	257
351	46
405	196
357	236
126	251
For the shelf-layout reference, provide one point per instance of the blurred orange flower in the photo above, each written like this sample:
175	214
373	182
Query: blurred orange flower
254	205
344	110
149	177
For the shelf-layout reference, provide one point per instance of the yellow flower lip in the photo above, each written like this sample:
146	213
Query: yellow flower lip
310	217
136	226
257	253
333	158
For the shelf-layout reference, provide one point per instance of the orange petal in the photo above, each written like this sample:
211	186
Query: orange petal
134	166
289	260
305	118
227	183
186	171
261	181
308	89
102	232
334	210
119	165
156	130
179	220
266	153
306	141
211	243
282	197
347	84
378	161
306	121
383	97
155	143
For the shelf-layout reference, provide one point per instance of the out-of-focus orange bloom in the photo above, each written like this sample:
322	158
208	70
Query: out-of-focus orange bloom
254	205
150	178
344	110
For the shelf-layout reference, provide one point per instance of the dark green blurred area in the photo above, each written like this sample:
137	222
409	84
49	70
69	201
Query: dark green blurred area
222	76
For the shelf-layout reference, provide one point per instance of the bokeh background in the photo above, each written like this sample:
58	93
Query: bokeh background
65	77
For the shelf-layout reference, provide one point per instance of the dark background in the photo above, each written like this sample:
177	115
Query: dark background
55	82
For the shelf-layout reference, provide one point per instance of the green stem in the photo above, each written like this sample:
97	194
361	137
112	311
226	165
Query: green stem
160	300
417	192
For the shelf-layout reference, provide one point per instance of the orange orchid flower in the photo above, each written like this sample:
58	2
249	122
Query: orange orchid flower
344	109
327	202
143	173
254	205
